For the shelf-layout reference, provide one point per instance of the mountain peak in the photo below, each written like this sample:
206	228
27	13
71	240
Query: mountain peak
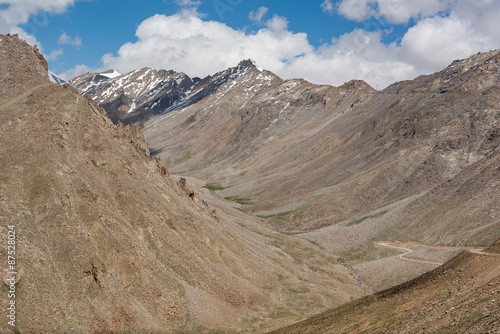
28	70
355	85
249	63
472	74
55	79
111	74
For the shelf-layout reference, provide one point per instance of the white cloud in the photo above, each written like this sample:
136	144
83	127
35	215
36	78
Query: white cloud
54	54
278	24
328	6
395	11
471	27
355	55
64	39
188	3
358	10
74	72
186	42
17	12
258	15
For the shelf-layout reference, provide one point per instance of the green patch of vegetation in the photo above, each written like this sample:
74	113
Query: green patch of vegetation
275	242
298	211
215	186
240	200
362	219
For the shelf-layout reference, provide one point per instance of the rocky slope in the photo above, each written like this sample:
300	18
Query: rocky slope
108	242
462	296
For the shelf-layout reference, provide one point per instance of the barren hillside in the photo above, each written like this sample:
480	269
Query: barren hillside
108	242
462	296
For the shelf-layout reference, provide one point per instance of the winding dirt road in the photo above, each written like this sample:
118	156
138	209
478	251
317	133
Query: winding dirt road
406	252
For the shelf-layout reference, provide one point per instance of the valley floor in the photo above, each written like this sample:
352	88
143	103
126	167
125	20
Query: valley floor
377	265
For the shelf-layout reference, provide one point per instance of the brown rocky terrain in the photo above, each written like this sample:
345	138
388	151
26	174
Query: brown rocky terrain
463	296
108	242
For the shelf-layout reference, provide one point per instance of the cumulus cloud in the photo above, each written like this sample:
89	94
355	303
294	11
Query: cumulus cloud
188	3
328	6
355	55
469	28
257	16
278	24
53	55
64	39
395	11
16	12
74	72
186	42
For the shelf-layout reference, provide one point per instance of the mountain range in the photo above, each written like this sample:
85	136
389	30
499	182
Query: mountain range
146	92
108	242
344	167
243	203
396	182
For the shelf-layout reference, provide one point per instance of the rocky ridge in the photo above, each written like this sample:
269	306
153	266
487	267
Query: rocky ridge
143	93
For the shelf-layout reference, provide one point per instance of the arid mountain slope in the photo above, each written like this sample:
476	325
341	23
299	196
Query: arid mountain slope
421	155
14	82
463	296
108	242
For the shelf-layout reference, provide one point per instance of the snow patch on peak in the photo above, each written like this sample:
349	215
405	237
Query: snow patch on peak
257	66
249	63
55	79
110	74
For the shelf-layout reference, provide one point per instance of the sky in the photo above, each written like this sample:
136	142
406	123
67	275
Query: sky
322	41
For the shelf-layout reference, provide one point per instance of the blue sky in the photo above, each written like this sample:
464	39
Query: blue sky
324	41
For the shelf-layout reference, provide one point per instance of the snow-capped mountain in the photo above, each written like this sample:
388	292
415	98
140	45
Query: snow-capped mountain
110	74
55	79
140	94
